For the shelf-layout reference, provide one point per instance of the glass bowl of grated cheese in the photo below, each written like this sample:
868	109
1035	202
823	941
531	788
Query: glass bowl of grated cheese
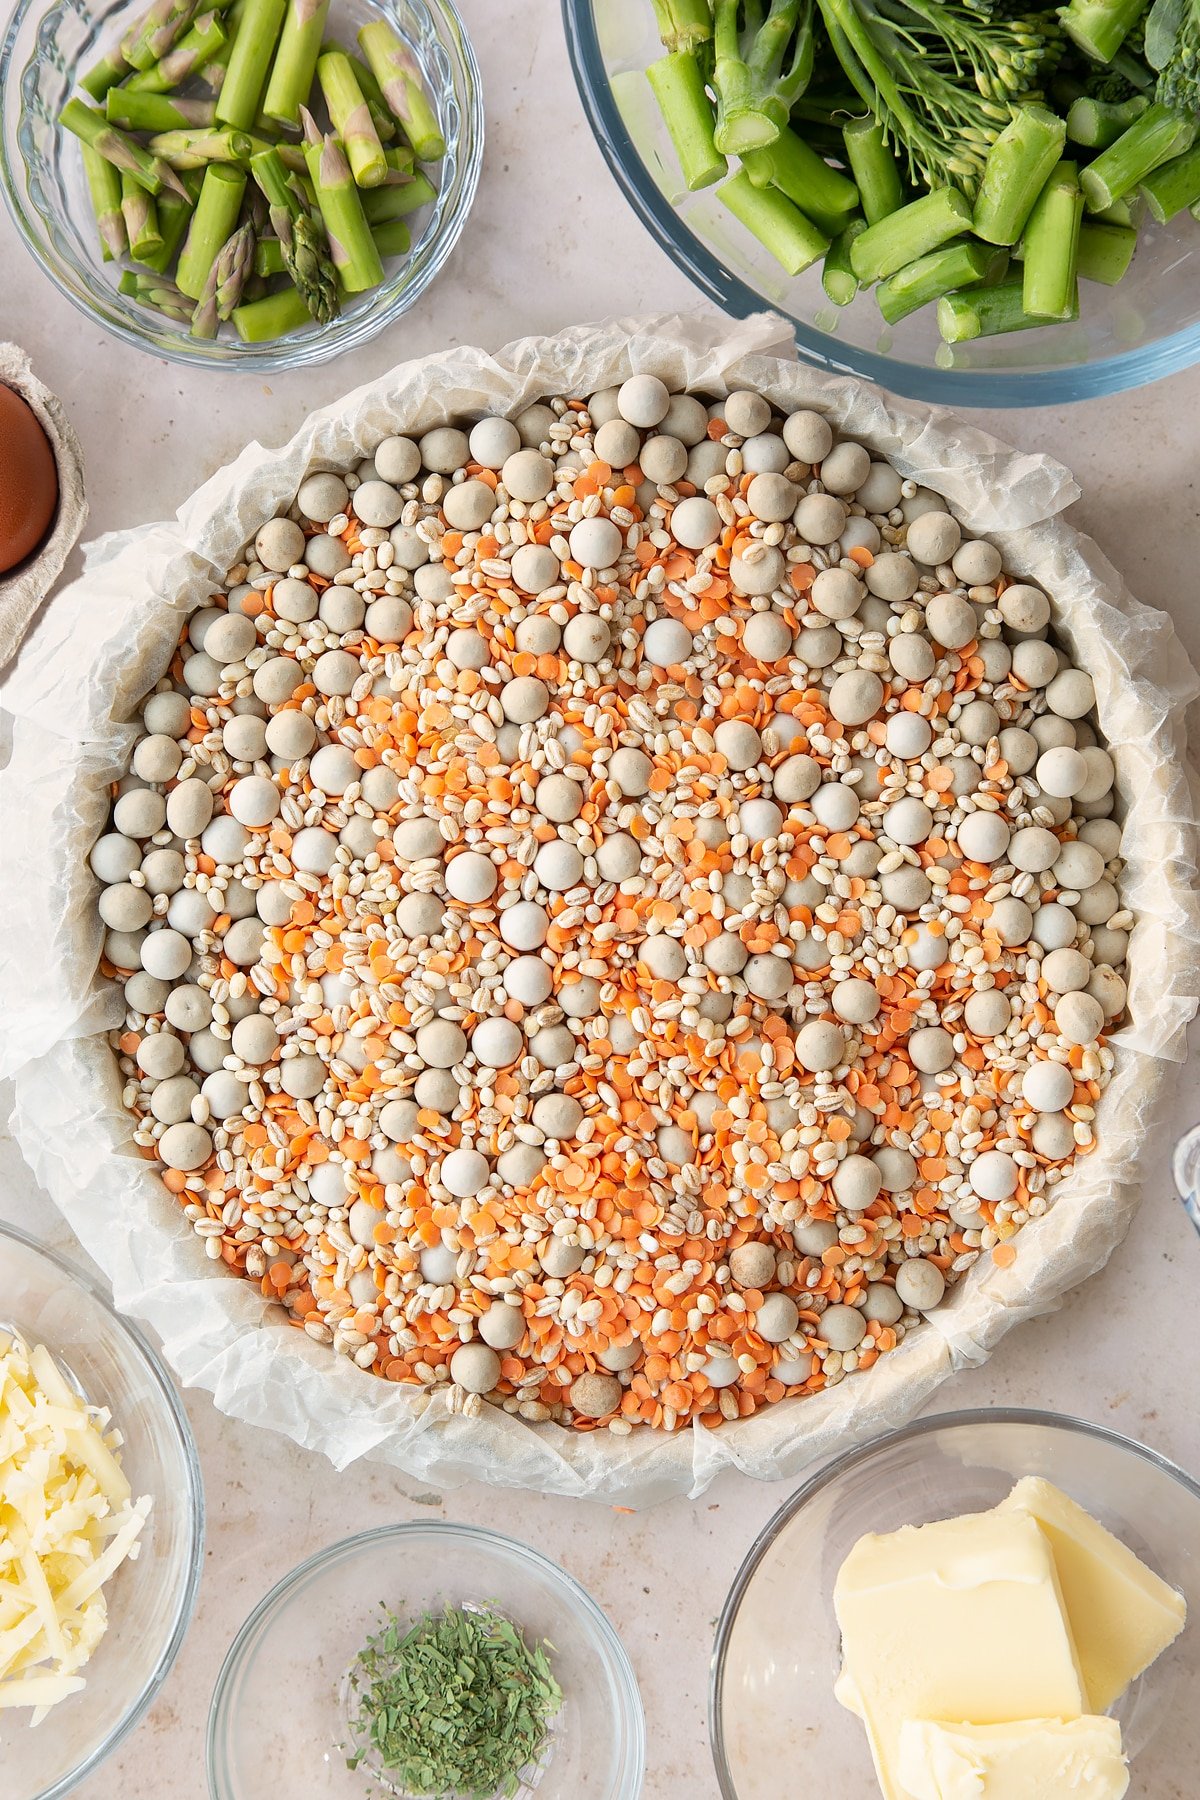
149	1598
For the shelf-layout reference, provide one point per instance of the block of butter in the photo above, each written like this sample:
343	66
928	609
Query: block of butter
960	1619
1122	1614
1033	1759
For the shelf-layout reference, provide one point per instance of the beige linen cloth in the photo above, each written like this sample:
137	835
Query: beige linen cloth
109	636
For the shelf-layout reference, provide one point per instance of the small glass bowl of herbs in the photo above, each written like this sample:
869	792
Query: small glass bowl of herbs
426	1660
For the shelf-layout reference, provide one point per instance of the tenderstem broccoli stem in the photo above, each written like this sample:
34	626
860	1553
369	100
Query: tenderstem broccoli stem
1173	186
155	112
941	272
1098	123
1100	27
794	241
351	119
395	69
913	231
1050	288
253	48
1018	166
875	170
354	254
806	178
104	186
837	276
1105	252
751	106
260	321
986	312
687	111
1157	136
195	49
295	64
212	225
683	24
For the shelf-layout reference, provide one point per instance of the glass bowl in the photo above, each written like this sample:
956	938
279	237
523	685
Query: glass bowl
777	1651
47	47
150	1600
302	1639
1145	327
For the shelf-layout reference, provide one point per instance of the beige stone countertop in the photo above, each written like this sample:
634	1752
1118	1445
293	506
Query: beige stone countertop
551	241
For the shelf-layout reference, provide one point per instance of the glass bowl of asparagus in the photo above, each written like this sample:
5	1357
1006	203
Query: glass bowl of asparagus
248	184
983	202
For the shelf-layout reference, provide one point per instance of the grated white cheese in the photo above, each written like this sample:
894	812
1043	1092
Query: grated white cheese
67	1521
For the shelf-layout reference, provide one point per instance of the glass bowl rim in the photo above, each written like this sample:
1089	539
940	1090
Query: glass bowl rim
316	347
495	1542
1152	361
832	1471
195	1507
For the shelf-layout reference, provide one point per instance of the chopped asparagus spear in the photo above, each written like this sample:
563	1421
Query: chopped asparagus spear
1105	252
399	77
104	186
351	119
195	50
302	243
253	47
383	120
354	254
793	240
392	238
687	112
806	178
225	282
295	62
397	201
986	312
156	32
212	224
174	215
104	75
911	232
1173	186
261	321
195	149
268	257
141	219
118	148
155	112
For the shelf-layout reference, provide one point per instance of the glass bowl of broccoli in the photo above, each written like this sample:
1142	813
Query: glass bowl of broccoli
987	202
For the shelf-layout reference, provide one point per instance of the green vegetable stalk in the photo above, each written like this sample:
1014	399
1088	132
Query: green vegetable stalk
1098	123
195	149
295	61
104	186
253	49
1018	166
1173	186
1157	136
678	85
1105	252
875	169
151	36
837	272
141	219
392	238
118	148
137	111
457	1703
174	216
941	272
262	321
351	119
224	283
383	121
913	231
213	223
683	24
822	194
986	312
1100	27
155	291
759	72
199	43
302	243
793	240
354	254
1050	288
397	200
395	69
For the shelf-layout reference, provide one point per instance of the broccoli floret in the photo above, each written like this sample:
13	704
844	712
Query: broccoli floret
1173	49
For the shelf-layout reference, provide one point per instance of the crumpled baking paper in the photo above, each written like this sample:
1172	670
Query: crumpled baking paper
109	636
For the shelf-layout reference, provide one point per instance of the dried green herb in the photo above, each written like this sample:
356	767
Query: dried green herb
456	1704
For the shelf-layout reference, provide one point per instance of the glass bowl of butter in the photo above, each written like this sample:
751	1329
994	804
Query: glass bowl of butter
1000	1604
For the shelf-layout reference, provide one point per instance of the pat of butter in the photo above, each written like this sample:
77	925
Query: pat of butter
1122	1614
961	1619
1075	1759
